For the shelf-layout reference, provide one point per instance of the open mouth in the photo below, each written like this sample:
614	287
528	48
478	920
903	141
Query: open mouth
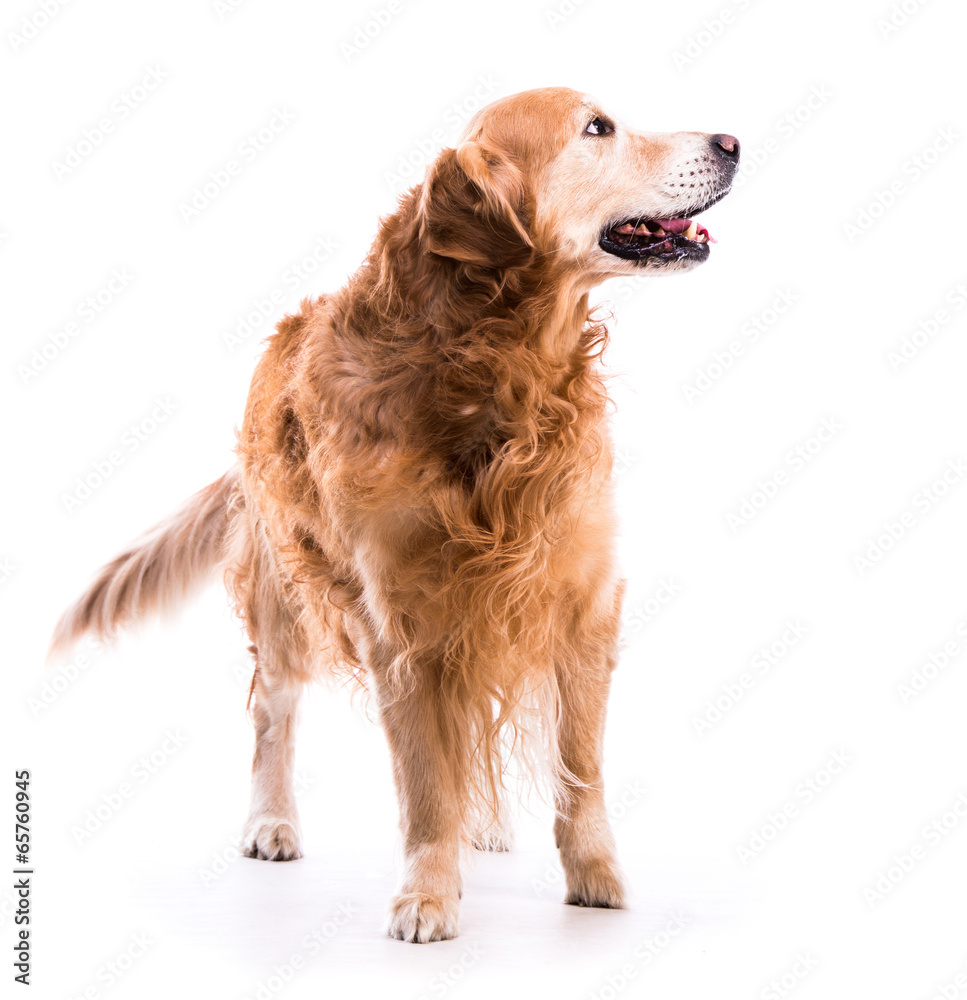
662	241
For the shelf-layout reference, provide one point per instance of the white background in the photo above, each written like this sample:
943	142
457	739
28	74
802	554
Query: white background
685	802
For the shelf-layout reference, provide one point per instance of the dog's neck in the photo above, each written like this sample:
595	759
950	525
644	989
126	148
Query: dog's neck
415	295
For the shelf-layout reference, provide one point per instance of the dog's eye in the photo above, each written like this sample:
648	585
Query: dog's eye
599	126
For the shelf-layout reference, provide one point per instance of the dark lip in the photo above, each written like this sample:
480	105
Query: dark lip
668	251
673	248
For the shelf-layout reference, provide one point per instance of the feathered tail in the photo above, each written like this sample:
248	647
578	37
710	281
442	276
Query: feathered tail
158	571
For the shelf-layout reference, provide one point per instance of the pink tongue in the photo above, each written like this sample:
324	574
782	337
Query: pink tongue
678	226
674	225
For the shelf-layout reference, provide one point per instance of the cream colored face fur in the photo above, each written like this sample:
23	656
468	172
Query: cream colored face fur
596	181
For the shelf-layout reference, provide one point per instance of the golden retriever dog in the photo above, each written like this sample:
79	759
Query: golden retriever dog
423	500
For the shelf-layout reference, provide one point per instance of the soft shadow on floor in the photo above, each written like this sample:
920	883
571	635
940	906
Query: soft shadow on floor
321	919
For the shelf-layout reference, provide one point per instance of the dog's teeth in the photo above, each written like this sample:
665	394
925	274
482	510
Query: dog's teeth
626	229
642	230
691	231
700	238
660	232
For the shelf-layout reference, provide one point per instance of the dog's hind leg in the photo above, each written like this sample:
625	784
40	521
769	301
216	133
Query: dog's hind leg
272	831
489	832
497	834
271	612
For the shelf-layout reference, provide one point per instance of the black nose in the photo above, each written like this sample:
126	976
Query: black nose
726	146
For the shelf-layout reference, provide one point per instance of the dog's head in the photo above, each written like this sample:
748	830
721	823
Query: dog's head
549	172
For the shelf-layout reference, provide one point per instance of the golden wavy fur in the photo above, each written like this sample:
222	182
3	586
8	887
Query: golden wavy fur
423	493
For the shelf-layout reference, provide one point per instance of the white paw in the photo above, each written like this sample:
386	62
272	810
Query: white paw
492	833
594	882
418	917
272	839
492	840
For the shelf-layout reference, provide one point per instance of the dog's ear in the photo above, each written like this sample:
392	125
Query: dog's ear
471	209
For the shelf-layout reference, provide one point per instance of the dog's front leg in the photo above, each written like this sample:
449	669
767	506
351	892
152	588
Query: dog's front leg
428	768
581	827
